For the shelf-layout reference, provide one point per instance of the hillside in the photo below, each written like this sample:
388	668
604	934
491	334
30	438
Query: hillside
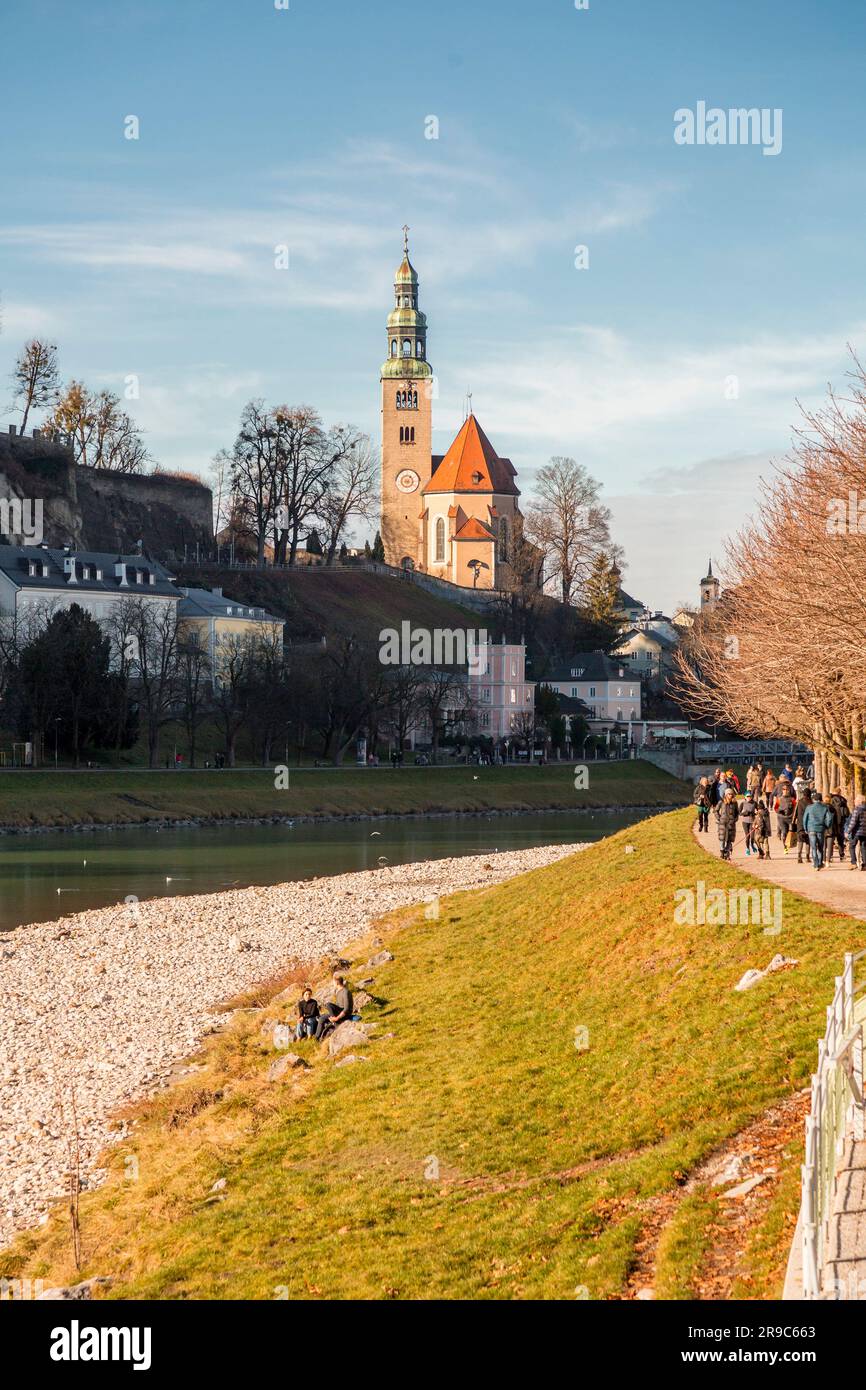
552	1058
335	603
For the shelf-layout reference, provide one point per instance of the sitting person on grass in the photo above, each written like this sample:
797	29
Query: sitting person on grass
338	1011
308	1014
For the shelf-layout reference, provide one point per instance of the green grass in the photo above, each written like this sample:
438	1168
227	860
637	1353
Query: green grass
29	798
546	1154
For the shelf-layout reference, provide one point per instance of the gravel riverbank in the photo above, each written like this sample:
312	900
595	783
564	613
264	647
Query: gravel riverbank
114	997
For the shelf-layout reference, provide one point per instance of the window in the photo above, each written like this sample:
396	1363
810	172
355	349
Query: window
412	433
440	540
419	348
574	692
592	690
512	696
578	673
414	400
393	347
399	400
407	348
619	714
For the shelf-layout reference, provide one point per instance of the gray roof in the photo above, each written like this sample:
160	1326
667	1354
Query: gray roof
212	603
593	666
15	563
653	634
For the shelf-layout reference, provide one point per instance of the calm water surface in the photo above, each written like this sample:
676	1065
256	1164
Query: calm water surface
45	876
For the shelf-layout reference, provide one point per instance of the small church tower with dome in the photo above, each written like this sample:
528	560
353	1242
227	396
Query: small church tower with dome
710	590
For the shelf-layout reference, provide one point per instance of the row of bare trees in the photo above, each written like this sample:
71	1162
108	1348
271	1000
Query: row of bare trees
105	685
783	654
286	476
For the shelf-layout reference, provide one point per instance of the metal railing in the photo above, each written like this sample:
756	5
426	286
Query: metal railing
836	1112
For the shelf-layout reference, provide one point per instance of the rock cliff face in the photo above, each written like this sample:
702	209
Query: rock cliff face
93	509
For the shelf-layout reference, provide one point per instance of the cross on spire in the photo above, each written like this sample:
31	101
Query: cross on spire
405	239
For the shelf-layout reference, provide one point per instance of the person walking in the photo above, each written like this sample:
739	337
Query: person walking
768	786
702	802
747	820
816	822
857	833
804	800
761	831
835	837
753	780
728	816
785	807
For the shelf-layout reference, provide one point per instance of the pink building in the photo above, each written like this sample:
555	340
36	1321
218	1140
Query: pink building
503	698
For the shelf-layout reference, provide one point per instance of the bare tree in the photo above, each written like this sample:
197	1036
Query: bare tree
153	633
35	377
351	486
569	524
195	685
102	434
444	702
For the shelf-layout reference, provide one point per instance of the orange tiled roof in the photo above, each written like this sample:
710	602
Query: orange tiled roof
474	530
473	465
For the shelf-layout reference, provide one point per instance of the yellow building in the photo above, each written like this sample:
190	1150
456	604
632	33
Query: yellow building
452	515
223	623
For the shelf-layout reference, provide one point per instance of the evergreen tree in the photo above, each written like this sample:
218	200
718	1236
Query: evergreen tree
378	548
602	590
314	545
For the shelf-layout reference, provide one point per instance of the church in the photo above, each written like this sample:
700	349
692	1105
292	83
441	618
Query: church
453	515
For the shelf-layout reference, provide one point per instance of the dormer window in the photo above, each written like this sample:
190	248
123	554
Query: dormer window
577	671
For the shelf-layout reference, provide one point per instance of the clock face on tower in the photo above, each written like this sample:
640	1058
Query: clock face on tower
407	480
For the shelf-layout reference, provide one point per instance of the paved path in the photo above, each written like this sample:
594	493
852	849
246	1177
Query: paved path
835	886
838	888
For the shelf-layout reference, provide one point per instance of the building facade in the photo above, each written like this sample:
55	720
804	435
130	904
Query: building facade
609	688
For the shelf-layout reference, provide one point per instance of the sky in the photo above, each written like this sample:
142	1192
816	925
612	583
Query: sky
721	288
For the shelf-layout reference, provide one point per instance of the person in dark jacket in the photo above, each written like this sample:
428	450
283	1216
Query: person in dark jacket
338	1010
857	832
761	831
747	820
308	1015
702	802
728	815
836	834
816	822
803	801
785	807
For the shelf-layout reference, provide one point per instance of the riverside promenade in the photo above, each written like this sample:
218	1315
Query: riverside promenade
840	889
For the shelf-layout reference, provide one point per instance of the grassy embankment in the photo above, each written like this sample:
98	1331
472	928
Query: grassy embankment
540	1159
47	798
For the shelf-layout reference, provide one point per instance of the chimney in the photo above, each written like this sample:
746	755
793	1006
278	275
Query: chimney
218	593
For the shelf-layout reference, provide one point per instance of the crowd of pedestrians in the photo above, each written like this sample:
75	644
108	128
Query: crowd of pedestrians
815	826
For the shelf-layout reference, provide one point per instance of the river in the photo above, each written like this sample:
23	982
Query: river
46	876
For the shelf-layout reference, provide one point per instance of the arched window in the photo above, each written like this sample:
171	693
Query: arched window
414	400
399	400
393	347
503	538
402	432
440	540
419	350
407	348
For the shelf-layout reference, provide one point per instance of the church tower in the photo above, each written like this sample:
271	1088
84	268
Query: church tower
407	389
710	589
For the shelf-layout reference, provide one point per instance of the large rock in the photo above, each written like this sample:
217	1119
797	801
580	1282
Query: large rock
381	959
345	1035
75	1291
283	1064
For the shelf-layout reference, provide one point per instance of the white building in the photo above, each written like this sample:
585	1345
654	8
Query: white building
610	689
37	580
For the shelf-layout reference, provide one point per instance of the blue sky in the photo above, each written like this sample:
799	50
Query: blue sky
306	127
